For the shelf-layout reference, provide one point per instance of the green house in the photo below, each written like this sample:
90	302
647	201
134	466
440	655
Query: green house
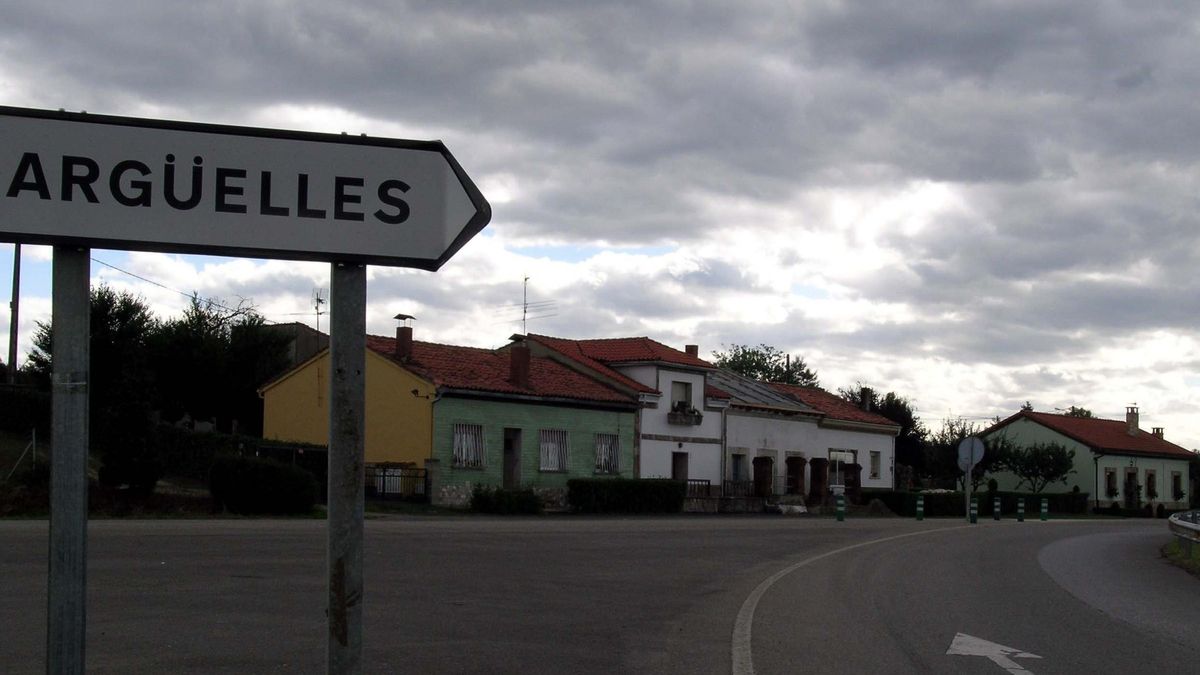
503	418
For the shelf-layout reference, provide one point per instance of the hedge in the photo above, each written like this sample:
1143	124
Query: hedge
485	499
626	495
952	503
250	485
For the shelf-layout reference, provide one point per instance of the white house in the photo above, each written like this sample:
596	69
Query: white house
769	438
680	421
847	434
1115	461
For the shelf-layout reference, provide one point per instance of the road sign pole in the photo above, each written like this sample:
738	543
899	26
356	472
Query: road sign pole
14	315
66	615
841	508
967	503
995	508
920	507
347	398
1020	509
974	514
1045	508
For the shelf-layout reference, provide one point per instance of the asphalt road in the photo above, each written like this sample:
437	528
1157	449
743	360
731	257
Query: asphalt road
609	595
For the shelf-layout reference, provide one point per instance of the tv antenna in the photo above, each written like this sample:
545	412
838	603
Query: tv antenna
318	299
538	309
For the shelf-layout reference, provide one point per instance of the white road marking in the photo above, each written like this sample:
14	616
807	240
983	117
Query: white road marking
743	662
969	645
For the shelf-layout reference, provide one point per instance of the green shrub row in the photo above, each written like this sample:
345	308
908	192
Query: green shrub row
625	495
904	503
487	499
251	485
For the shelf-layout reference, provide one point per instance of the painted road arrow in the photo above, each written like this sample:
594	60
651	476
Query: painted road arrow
969	645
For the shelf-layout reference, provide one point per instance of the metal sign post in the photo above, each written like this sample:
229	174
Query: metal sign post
66	609
970	451
347	399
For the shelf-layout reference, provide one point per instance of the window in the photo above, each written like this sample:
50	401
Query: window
608	453
470	452
1151	485
1176	486
681	397
875	462
837	459
1110	483
554	446
739	468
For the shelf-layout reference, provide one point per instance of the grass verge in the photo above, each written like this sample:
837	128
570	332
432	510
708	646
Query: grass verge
1177	555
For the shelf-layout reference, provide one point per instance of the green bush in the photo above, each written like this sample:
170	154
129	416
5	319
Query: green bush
626	495
251	485
486	499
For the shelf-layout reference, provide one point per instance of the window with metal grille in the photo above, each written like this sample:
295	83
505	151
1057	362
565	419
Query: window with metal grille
554	449
469	449
608	453
875	463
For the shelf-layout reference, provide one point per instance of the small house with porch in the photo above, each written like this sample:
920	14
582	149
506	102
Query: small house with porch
854	446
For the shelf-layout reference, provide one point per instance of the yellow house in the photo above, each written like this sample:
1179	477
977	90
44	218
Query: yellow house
399	406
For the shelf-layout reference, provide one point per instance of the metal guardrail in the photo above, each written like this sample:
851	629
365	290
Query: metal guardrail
1186	528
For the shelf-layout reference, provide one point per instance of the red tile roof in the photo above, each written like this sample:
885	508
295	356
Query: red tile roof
631	350
833	406
1102	435
571	349
485	370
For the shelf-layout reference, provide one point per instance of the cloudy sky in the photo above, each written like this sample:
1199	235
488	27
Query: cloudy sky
971	204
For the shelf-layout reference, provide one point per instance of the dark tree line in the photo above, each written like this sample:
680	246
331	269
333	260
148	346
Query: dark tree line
207	363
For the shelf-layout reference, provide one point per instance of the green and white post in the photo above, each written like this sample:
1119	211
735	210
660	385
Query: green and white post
920	507
1045	507
841	508
974	510
995	508
1020	509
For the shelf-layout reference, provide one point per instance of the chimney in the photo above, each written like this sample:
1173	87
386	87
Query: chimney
868	395
692	350
1158	432
404	341
519	366
1131	420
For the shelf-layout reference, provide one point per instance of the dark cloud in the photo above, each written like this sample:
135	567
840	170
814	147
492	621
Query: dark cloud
1067	130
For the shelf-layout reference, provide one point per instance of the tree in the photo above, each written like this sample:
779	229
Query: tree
766	363
1078	412
910	443
1028	407
1040	464
120	386
210	362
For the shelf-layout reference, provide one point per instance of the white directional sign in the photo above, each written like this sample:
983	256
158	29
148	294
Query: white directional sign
127	183
969	645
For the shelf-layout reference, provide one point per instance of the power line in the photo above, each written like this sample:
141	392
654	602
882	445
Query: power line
210	301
